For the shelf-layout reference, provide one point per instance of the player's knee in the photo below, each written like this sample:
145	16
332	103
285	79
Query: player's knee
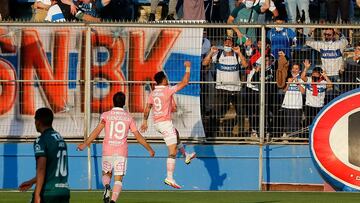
118	178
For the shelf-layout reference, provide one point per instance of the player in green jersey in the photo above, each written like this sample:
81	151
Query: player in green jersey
51	163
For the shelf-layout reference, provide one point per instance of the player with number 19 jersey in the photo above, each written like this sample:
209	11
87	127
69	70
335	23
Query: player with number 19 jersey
162	100
117	124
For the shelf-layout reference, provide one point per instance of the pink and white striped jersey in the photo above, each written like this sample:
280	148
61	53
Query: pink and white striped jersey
117	124
162	100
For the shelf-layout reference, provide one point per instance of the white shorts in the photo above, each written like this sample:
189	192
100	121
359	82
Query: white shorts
118	163
166	128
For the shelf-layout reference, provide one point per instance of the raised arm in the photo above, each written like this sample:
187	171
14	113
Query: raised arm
185	81
93	135
231	20
208	58
244	62
307	65
329	83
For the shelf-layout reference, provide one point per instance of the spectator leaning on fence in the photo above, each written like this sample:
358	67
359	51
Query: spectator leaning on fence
315	86
227	63
331	53
293	102
247	12
40	9
55	14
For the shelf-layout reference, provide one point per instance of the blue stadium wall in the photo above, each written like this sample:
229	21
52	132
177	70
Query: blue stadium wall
218	167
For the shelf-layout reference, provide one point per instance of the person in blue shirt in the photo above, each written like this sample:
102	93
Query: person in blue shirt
281	39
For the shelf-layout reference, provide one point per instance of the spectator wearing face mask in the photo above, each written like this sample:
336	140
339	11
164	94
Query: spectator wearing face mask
282	39
315	87
227	63
331	53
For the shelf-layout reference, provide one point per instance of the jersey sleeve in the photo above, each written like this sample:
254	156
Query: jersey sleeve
132	126
103	118
150	99
173	89
40	147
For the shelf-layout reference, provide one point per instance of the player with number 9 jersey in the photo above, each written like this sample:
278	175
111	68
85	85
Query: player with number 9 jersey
162	100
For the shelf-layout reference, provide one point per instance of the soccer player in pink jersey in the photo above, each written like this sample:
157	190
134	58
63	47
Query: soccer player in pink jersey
162	101
117	123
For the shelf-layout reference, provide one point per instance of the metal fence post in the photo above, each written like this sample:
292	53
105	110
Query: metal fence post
262	104
87	99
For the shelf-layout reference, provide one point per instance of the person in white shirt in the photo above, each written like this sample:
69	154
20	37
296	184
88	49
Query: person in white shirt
228	84
331	52
55	14
316	86
293	102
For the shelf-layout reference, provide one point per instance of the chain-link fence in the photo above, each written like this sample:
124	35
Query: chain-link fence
267	84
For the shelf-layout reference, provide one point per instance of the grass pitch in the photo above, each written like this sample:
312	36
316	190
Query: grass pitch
197	197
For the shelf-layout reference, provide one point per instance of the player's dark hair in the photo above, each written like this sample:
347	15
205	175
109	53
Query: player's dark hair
45	116
159	77
119	99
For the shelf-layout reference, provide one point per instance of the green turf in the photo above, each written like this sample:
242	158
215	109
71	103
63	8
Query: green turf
199	197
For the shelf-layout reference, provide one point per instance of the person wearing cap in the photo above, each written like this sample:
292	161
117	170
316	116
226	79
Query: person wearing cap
228	62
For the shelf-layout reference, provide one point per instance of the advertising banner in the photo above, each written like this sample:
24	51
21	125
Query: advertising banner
45	66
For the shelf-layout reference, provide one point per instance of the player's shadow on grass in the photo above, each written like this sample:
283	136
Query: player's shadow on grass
206	154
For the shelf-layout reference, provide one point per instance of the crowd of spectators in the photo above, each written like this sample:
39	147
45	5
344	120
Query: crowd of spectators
231	11
303	66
